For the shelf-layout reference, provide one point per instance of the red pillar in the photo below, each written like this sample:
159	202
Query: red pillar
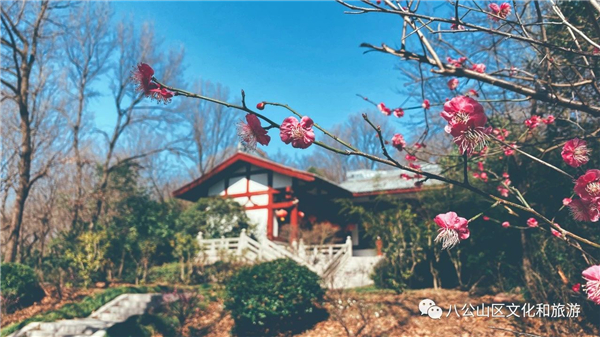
294	223
379	245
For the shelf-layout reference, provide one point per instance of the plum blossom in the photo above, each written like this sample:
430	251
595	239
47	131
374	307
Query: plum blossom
575	152
466	120
486	218
453	83
456	26
410	157
300	134
533	122
506	224
585	210
555	232
398	112
142	77
503	191
384	110
251	132
567	201
414	166
162	95
260	106
592	285
501	11
479	67
548	120
532	222
588	185
426	104
509	150
452	229
457	63
398	142
405	176
420	145
576	287
473	92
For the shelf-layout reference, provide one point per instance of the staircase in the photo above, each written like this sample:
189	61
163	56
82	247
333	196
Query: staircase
327	261
116	311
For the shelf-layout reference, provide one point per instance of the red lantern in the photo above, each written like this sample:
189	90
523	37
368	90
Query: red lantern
281	214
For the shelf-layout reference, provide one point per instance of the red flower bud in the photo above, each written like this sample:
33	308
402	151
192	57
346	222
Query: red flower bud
260	106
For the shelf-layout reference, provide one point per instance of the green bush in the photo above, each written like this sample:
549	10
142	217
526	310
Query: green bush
274	297
169	273
386	275
20	286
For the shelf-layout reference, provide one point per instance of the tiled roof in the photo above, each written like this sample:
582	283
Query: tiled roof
365	181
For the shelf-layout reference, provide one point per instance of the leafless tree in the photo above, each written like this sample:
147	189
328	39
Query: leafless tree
212	128
88	45
28	93
131	111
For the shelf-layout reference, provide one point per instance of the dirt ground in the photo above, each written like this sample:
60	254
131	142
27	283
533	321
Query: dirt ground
49	302
376	313
387	314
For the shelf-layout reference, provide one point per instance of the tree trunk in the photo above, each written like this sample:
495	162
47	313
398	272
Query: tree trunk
22	191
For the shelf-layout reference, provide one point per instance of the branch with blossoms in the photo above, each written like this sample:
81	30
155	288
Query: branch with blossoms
465	117
567	79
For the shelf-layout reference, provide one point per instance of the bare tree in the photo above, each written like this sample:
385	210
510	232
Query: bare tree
88	46
131	111
26	91
211	126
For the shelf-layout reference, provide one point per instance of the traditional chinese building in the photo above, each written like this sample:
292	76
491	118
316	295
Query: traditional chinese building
280	200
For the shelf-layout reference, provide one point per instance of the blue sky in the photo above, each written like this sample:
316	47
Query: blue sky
305	54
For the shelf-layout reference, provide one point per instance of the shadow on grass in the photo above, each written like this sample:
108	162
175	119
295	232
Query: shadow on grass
145	326
279	327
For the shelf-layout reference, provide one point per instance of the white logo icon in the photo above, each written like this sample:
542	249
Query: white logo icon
424	305
434	312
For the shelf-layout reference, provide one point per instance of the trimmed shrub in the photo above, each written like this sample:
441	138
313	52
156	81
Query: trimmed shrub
274	297
20	286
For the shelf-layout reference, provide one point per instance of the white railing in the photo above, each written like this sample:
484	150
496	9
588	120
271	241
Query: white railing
324	260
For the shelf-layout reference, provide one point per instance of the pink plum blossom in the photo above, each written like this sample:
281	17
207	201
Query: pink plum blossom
142	77
506	224
533	122
300	134
588	185
457	63
426	104
479	67
585	210
398	112
532	222
592	285
452	229
548	120
466	120
384	110
398	142
501	11
251	132
453	83
575	152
